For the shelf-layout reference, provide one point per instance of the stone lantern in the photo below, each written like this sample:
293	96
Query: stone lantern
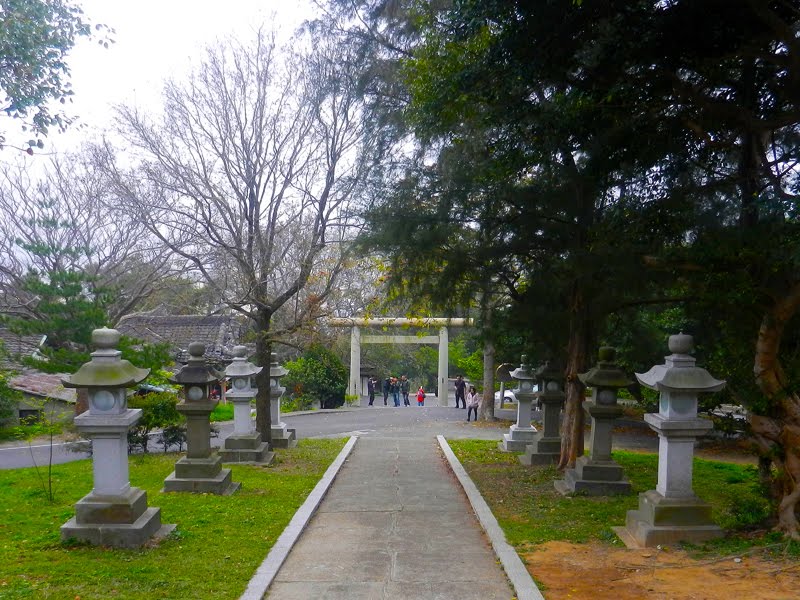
244	444
282	436
546	446
113	513
672	512
597	474
201	469
522	432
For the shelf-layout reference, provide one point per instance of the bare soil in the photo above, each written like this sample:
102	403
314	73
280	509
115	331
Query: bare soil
578	571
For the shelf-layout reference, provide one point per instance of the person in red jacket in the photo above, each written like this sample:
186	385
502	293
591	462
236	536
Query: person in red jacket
420	397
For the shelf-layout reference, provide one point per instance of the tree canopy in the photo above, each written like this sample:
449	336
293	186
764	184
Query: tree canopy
35	39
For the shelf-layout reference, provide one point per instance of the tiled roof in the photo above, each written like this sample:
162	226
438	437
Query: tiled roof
217	332
15	343
44	385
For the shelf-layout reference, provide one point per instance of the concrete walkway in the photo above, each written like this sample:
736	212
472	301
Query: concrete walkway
396	524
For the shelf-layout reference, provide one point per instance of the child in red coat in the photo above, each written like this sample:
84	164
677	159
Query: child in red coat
421	397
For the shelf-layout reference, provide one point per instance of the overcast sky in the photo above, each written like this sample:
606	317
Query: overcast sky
155	39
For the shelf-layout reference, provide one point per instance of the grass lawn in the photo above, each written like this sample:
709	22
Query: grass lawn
222	412
218	544
531	512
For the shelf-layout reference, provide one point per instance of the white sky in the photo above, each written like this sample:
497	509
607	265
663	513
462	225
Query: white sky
155	39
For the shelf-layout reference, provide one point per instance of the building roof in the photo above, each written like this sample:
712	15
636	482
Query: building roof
43	385
24	345
217	332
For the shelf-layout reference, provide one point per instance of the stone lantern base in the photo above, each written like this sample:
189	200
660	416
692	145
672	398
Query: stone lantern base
661	520
517	439
542	451
201	475
283	436
122	521
246	448
594	478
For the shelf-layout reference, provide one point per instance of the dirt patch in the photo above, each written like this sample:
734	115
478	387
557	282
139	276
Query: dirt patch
578	571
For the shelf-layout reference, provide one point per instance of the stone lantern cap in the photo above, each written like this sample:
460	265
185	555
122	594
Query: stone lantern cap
526	380
106	369
240	367
605	374
679	371
548	372
196	371
275	369
522	372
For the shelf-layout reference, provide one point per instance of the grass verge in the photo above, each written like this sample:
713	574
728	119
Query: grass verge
218	544
531	512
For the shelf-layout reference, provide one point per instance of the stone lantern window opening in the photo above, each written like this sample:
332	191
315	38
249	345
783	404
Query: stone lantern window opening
195	393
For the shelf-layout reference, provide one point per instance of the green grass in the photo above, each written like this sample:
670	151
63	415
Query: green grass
531	512
218	544
222	412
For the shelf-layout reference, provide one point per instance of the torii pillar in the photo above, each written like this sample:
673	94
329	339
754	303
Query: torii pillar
444	359
355	362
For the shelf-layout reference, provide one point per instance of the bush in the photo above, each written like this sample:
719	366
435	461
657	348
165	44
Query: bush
294	403
318	375
173	435
158	412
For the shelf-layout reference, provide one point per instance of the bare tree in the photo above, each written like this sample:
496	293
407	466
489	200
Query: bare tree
57	221
248	175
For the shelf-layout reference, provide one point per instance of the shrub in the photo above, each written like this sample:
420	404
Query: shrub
318	375
158	412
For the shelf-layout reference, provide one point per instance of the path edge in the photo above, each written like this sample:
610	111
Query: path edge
262	579
517	573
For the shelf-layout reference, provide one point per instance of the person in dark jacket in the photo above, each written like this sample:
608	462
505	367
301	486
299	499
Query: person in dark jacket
461	388
405	387
387	384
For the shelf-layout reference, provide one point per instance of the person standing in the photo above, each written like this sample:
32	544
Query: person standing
387	384
472	402
405	387
461	387
371	389
420	396
395	391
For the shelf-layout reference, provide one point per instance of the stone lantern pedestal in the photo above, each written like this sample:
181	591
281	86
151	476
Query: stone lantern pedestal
201	469
522	432
282	436
244	444
672	512
546	446
114	513
598	474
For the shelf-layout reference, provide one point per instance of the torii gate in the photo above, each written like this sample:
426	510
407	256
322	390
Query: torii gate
356	339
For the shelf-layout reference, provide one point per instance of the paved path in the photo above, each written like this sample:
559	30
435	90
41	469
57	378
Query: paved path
395	525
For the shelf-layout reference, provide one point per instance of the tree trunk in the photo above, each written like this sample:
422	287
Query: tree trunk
577	353
777	436
263	359
487	403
